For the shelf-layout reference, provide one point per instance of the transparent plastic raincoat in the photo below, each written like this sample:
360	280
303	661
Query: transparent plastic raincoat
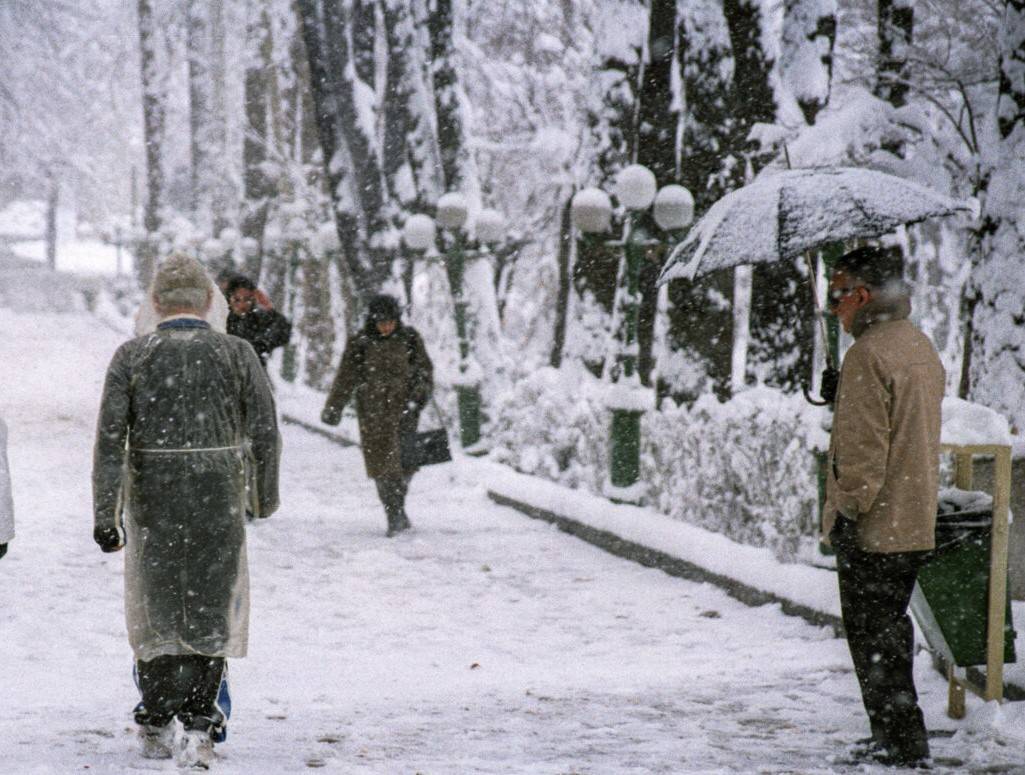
6	501
181	409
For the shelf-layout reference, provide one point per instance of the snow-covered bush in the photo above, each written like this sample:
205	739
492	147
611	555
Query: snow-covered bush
552	424
744	468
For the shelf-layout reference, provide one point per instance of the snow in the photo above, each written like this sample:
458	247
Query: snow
629	395
966	423
86	256
484	642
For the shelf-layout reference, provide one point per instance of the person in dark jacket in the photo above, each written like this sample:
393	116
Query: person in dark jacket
182	410
387	369
253	318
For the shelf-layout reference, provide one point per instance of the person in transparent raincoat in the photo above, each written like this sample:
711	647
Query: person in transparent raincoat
6	501
180	407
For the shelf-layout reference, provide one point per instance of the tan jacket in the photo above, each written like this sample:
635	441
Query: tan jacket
883	464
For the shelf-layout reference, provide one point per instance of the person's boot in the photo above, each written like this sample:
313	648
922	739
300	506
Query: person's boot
156	742
197	750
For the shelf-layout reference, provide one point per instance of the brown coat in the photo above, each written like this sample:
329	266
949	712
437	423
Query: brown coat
883	464
391	378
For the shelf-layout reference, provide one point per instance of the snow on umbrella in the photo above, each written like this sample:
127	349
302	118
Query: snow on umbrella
779	217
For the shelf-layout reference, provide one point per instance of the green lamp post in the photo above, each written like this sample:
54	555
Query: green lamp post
591	210
419	234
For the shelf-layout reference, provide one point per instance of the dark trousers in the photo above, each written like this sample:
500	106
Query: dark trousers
392	492
185	686
875	591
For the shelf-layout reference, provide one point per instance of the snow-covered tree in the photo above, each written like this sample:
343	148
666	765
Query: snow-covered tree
997	355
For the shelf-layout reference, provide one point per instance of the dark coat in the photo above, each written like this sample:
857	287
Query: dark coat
181	409
392	379
264	329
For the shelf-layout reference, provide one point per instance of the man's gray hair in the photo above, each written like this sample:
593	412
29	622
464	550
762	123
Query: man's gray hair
182	283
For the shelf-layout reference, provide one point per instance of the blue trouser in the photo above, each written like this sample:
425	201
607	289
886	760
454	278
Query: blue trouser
192	687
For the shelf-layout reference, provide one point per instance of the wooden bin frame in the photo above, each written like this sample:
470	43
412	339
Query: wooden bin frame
964	455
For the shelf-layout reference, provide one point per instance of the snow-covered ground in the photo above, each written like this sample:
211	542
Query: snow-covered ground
483	642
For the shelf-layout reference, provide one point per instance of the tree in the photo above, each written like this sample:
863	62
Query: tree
896	23
996	360
809	34
351	165
153	112
658	149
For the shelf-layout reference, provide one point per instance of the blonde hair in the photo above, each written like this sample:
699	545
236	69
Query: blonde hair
181	282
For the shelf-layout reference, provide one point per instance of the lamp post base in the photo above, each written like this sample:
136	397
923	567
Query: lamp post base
469	401
625	455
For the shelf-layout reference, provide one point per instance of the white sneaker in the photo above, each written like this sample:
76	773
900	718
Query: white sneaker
156	741
197	750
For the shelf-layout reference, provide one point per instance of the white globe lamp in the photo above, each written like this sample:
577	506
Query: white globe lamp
635	187
490	225
452	210
591	211
327	236
674	207
418	232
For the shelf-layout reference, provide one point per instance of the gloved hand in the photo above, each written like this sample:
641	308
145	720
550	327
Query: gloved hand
331	416
3	549
109	539
830	380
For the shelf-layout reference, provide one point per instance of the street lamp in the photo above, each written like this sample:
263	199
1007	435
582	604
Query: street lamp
419	234
591	211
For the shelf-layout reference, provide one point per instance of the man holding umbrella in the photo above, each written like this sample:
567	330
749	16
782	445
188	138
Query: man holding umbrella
881	490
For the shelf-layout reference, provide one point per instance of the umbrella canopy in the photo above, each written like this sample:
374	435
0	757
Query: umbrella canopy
779	217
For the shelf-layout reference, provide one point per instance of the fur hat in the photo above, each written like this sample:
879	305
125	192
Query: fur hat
181	282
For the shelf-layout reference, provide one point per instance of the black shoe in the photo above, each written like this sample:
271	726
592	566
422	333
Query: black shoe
860	752
908	761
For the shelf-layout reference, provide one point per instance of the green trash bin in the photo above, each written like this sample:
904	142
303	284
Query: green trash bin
954	588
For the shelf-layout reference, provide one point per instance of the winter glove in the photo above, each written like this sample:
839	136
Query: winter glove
331	416
3	549
109	539
830	380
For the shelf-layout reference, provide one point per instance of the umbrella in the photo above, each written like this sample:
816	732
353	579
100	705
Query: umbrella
779	217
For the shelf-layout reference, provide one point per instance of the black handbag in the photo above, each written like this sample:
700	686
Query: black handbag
424	448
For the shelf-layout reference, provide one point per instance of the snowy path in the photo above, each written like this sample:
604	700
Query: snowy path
484	642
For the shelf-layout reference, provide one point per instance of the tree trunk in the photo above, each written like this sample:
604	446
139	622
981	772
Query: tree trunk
52	202
809	34
700	321
565	284
782	334
153	110
451	145
197	52
222	197
257	185
327	51
896	24
658	131
997	356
